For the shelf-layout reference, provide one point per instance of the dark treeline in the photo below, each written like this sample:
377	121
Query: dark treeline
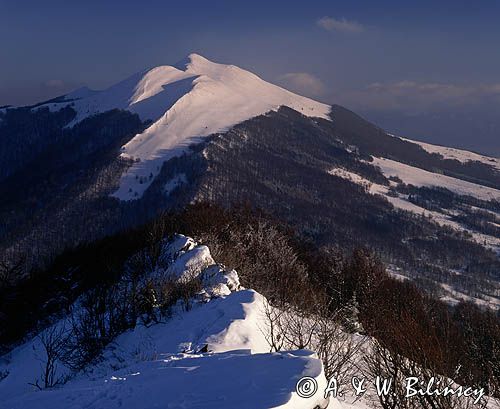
65	180
25	133
462	342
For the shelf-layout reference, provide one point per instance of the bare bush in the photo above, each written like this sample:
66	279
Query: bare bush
53	341
102	315
160	295
315	328
381	362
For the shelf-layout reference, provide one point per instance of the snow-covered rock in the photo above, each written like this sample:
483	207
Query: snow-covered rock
175	246
218	282
182	259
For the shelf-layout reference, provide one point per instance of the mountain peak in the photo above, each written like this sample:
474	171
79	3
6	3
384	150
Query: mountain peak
193	57
186	102
190	60
198	65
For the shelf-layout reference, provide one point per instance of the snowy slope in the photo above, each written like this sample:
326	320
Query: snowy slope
195	99
457	154
162	365
229	380
419	177
155	373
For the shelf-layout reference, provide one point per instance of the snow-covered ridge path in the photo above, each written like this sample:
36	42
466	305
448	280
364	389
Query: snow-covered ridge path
186	102
162	365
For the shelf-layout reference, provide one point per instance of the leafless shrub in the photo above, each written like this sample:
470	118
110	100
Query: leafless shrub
53	341
106	312
272	327
316	328
338	350
103	314
382	362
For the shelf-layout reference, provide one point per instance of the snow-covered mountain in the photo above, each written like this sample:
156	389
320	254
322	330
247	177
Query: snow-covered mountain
191	100
267	146
186	102
432	213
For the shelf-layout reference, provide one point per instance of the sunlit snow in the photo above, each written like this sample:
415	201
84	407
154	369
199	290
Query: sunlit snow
186	103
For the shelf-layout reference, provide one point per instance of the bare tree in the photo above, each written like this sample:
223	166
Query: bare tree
272	331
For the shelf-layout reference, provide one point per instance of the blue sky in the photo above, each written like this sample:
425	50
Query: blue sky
377	57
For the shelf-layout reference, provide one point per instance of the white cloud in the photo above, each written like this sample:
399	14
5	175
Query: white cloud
344	25
303	83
